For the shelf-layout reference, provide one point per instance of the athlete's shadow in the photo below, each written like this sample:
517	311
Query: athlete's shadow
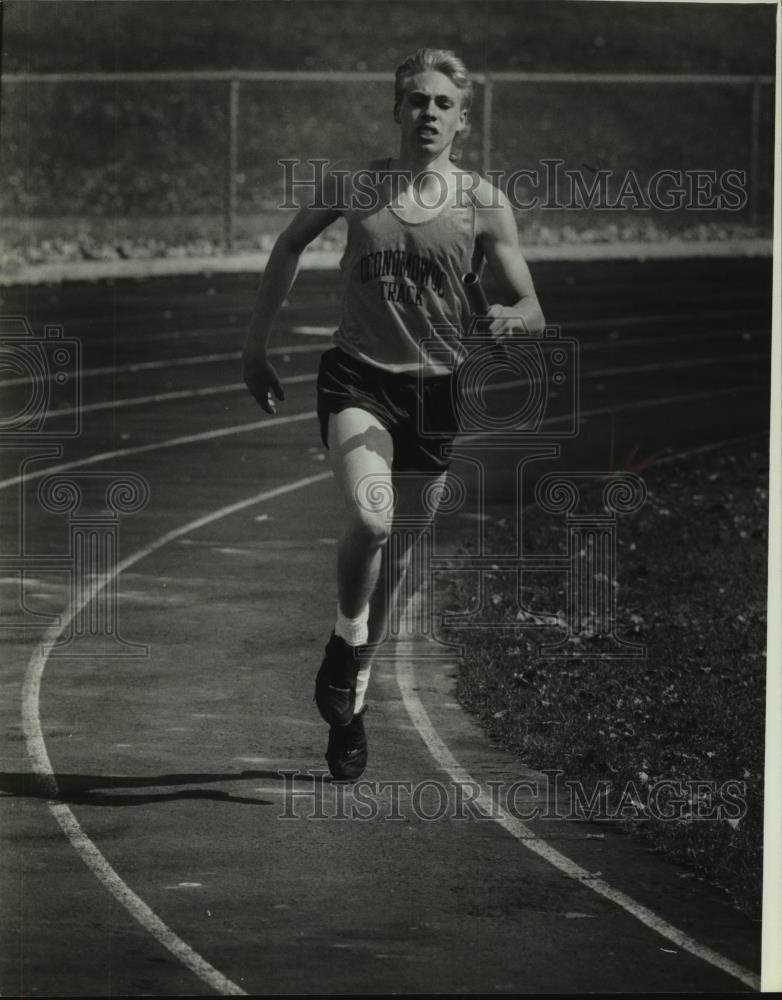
373	439
109	790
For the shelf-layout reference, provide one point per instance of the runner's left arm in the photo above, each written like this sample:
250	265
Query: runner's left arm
498	239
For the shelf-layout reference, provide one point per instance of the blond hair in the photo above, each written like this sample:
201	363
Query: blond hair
435	61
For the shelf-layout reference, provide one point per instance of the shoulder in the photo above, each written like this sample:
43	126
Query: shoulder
494	215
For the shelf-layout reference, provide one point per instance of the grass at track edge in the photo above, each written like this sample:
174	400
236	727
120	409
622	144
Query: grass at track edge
691	586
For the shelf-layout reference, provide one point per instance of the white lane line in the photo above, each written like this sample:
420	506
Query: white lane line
406	680
668	365
312	331
222	330
88	851
634	370
183	334
709	447
695	317
609	322
42	766
167	397
714	336
605	410
132	367
231	387
104	456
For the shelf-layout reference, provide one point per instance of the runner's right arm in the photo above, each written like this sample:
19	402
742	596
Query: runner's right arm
277	281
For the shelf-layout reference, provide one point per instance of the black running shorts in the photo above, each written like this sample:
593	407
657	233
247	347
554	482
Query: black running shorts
417	412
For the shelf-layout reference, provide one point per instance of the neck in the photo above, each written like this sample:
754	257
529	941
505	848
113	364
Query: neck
416	162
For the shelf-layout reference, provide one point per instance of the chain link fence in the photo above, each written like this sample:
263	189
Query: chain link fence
195	155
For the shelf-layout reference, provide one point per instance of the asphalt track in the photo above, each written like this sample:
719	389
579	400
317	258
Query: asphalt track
163	772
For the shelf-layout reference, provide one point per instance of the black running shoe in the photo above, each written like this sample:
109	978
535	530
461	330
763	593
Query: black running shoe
346	753
335	684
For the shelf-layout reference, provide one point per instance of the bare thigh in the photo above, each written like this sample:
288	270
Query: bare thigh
361	452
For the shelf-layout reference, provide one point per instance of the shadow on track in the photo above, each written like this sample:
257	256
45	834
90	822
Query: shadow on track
87	789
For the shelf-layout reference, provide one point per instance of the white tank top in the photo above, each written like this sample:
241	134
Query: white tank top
403	306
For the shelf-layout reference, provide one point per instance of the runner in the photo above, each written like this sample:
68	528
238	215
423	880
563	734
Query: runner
416	224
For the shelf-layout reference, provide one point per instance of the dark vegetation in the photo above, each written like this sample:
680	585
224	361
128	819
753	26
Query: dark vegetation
104	163
692	588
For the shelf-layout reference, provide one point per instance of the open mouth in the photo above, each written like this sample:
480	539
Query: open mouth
427	132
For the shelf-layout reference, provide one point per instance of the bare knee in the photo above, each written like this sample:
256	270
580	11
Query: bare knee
370	530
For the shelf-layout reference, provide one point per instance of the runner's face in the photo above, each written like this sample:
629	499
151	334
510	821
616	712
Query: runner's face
430	113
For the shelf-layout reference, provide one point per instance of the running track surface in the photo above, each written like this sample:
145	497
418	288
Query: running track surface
162	772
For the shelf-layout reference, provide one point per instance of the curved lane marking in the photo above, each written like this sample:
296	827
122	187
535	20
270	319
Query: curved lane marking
405	678
228	388
42	766
133	367
102	869
105	456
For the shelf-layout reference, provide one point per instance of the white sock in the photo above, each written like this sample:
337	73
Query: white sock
353	630
362	683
